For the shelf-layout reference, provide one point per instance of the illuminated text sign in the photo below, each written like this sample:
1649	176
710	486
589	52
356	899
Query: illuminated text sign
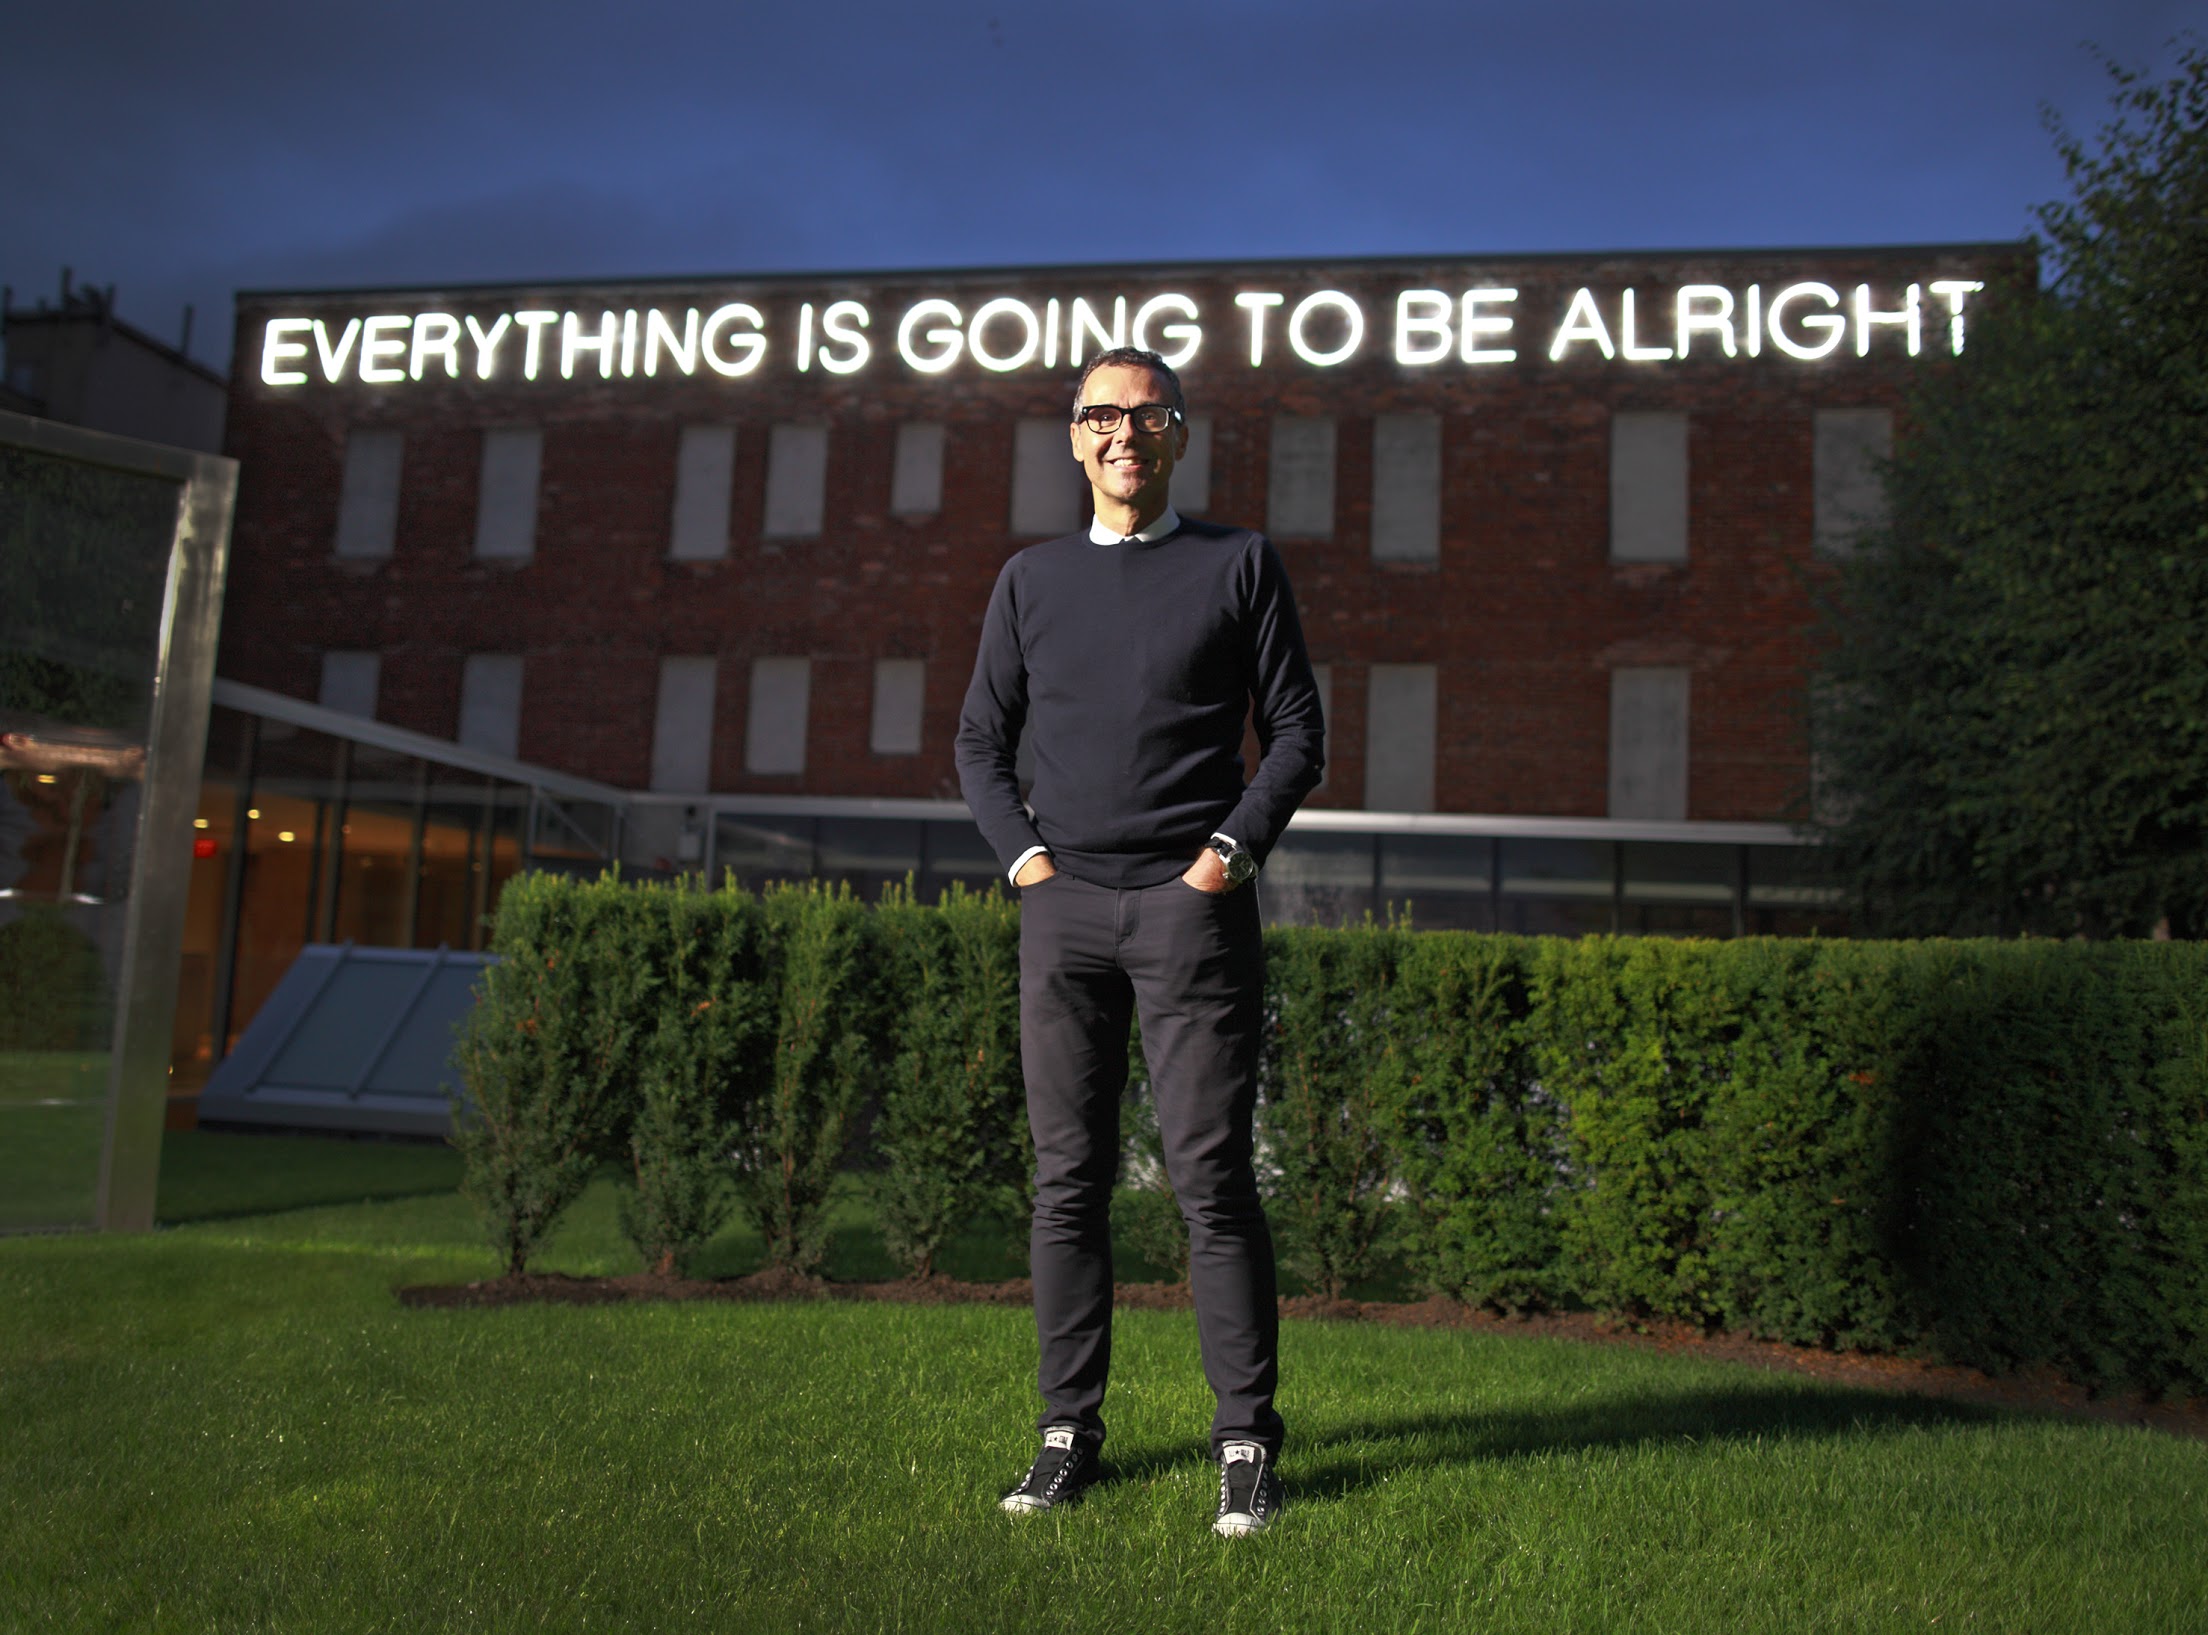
1260	329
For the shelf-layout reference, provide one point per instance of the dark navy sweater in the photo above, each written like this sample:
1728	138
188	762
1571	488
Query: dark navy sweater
1137	664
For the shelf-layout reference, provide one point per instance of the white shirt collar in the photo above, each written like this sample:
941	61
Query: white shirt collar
1166	523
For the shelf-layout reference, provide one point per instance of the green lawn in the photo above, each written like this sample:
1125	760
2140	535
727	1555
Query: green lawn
53	1118
232	1425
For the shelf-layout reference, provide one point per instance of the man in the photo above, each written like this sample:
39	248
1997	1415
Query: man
1133	651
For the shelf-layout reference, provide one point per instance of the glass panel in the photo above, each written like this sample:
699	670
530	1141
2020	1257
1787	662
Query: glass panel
377	863
1318	878
509	816
1557	888
292	798
454	820
573	836
869	852
1788	895
956	851
758	850
660	840
214	830
1443	879
1674	872
1678	889
84	555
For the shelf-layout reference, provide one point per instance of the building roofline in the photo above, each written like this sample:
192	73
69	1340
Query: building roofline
1041	269
34	317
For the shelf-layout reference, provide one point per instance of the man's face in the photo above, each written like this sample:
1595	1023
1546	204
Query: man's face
1129	467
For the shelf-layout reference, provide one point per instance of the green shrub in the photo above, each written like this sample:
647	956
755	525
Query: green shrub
1802	1218
1995	1152
952	1133
2047	1158
703	1063
821	953
1636	1038
1332	1065
53	990
546	1056
1479	1142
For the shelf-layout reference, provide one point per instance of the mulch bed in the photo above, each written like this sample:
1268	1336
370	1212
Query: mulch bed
2036	1391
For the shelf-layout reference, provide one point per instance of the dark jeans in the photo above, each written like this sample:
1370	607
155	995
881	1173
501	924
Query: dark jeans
1194	966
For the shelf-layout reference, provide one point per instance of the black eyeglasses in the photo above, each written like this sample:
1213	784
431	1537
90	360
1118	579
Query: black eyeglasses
1149	418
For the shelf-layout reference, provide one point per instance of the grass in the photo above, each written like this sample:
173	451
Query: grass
53	1119
231	1425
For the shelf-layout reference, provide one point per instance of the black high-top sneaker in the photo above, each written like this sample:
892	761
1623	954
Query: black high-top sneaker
1250	1499
1065	1469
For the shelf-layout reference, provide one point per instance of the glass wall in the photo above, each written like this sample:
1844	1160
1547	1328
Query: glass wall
105	650
306	837
310	835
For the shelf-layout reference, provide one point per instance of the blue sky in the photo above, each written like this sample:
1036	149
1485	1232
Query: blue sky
182	153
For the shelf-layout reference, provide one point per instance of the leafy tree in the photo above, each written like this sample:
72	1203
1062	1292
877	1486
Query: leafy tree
2012	709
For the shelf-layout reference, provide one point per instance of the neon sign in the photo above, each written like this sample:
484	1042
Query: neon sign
1004	334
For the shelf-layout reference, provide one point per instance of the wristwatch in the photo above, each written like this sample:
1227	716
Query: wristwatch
1241	866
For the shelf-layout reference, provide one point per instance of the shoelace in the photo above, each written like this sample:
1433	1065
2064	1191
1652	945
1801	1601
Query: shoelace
1048	1464
1238	1486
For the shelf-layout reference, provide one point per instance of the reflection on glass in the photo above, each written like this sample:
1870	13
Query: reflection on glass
1678	890
1444	880
1790	894
659	841
869	853
1318	878
956	851
370	895
291	807
1557	888
756	851
573	836
84	554
470	845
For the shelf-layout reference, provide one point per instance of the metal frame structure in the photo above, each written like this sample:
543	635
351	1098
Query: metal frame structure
176	735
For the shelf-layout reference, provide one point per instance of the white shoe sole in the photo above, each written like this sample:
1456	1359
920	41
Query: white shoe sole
1239	1525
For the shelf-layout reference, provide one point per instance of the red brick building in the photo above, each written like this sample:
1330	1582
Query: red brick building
1550	519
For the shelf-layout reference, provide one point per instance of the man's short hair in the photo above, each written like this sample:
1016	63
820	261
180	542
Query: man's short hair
1132	357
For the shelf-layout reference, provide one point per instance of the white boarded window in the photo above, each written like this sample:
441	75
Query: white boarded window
349	683
1406	488
490	703
916	479
705	467
1648	487
797	480
1049	491
1299	487
1399	738
682	726
1190	493
774	727
1852	446
1323	674
900	691
368	501
1648	744
506	499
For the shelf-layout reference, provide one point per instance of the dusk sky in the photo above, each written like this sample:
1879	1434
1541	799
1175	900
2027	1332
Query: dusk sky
184	152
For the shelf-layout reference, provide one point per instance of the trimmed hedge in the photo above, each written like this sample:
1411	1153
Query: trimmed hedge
1995	1153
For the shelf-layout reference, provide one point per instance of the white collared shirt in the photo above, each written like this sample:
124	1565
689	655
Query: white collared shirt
1168	520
